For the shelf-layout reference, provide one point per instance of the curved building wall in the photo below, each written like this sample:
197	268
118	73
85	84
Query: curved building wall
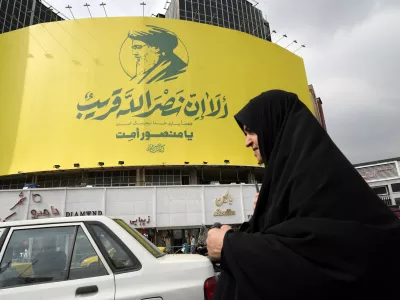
239	15
146	91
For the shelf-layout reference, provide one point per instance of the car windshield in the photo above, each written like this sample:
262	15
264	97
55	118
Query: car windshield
141	239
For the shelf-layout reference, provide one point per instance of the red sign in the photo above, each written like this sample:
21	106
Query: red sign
20	202
141	221
373	173
45	213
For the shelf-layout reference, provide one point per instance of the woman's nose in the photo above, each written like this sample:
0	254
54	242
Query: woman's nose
248	142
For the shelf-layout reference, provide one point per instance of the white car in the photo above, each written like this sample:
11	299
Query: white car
94	258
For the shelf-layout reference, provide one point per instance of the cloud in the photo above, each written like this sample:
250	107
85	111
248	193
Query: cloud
356	76
352	59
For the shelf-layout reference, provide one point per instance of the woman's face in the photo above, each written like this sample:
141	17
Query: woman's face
252	141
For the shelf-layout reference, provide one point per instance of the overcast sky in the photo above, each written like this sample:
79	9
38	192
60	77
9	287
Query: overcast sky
352	57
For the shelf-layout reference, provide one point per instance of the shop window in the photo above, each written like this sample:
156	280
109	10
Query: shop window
185	180
380	190
397	201
396	187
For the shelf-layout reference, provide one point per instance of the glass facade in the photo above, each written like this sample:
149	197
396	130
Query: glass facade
16	14
149	176
158	177
233	14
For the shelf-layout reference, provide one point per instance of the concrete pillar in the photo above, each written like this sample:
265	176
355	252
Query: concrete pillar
193	180
250	177
139	181
84	178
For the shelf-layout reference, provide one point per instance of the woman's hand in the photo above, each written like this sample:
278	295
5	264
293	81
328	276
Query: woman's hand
255	201
215	241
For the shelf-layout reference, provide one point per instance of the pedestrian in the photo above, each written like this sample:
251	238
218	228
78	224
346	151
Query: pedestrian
193	244
318	230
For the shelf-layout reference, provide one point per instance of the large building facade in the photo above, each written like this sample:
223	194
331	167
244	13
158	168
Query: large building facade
16	14
241	15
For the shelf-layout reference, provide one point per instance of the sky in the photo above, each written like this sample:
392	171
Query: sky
352	57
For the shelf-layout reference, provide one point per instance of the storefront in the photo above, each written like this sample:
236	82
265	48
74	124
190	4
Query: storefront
384	179
167	215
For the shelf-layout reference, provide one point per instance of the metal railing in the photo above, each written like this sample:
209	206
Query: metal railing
386	199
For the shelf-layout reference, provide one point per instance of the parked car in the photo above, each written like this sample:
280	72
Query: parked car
95	258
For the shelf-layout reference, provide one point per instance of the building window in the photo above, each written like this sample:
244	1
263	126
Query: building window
397	200
59	180
226	175
15	182
114	178
396	187
166	177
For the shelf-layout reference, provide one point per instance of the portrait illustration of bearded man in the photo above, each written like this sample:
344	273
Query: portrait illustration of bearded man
154	55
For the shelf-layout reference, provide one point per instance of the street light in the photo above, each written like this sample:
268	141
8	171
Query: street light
69	7
104	7
302	46
283	36
143	4
294	42
87	6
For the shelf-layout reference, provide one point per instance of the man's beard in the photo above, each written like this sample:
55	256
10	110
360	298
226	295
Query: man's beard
145	63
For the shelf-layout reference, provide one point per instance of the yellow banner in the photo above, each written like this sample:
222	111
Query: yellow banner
146	91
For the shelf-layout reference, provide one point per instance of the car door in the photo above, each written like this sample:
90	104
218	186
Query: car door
50	262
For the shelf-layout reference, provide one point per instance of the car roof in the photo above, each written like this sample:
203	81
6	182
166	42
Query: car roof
54	221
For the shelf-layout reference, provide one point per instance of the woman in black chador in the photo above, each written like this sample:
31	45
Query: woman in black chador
318	230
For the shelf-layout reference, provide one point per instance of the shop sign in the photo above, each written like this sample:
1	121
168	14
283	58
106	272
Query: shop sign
35	214
379	172
228	212
142	222
21	201
83	213
224	199
220	201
